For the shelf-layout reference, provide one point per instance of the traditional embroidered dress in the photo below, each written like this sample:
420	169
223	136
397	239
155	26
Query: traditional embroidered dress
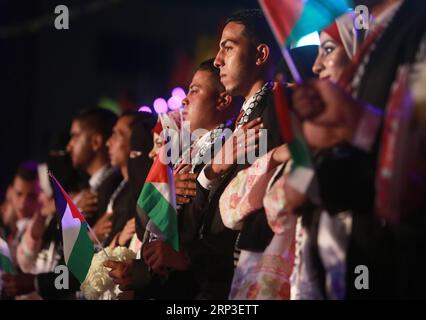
263	275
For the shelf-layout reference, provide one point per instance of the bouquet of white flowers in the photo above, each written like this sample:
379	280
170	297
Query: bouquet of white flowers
98	285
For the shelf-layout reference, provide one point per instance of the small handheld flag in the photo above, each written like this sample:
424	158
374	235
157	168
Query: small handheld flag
158	201
301	177
6	264
78	247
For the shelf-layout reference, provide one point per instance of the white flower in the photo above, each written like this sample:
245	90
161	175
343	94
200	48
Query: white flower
98	284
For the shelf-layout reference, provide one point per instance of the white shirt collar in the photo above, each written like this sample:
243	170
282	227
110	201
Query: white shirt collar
96	179
21	224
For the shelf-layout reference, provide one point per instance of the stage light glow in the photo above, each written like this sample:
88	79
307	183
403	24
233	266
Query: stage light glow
160	105
178	92
174	102
310	39
145	109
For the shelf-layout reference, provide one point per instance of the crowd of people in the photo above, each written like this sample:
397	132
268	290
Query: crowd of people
248	230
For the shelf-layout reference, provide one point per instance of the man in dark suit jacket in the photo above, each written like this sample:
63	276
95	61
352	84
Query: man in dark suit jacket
205	241
207	107
246	59
89	133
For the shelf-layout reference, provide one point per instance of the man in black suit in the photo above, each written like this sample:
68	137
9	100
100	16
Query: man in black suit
247	57
89	133
208	110
207	107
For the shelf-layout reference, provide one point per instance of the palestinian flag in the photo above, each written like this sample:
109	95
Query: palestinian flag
158	201
78	247
6	264
291	20
301	177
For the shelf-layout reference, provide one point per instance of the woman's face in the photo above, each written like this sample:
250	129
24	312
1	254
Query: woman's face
331	60
158	142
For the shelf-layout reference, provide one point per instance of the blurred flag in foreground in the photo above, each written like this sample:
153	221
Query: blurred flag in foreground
291	20
6	264
78	247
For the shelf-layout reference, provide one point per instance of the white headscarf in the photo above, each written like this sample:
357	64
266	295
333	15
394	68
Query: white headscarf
349	36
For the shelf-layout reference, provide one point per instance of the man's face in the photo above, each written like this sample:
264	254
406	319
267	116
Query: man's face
119	142
201	101
236	60
79	146
25	197
8	215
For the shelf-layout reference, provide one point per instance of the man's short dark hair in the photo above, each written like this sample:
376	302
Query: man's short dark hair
132	114
97	120
208	65
257	29
27	171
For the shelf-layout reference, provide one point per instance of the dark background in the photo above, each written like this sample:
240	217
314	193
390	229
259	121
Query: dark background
126	51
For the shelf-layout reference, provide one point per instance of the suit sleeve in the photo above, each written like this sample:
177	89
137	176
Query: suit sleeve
48	291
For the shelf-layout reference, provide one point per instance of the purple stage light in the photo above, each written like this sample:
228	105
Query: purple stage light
178	92
174	103
160	105
145	109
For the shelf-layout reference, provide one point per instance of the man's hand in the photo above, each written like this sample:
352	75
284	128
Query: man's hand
329	114
185	185
320	137
15	285
102	227
159	256
127	233
280	155
121	273
48	207
240	143
38	226
88	202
